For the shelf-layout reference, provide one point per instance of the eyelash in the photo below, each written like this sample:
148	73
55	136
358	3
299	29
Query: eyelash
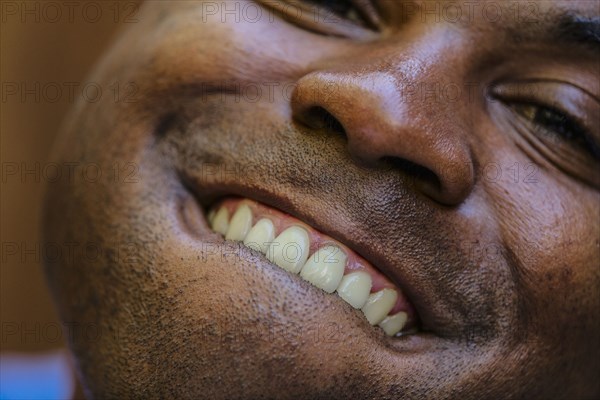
346	9
338	7
548	120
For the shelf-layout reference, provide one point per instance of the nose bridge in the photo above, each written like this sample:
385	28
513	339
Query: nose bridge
396	108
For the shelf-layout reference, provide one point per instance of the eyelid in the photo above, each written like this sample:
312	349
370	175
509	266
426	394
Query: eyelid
370	12
317	19
563	98
578	104
542	149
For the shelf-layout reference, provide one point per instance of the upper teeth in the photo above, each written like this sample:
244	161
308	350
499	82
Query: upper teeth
324	268
290	249
240	225
355	288
260	236
323	272
379	304
220	223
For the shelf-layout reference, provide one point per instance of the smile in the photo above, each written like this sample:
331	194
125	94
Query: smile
317	258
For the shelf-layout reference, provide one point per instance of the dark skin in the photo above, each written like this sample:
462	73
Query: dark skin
503	270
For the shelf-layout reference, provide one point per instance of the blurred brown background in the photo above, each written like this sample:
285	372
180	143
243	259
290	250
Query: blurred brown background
43	46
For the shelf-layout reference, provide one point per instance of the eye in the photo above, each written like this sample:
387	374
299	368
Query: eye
357	19
557	125
555	121
340	8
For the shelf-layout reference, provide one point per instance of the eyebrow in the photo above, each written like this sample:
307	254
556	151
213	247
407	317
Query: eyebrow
578	30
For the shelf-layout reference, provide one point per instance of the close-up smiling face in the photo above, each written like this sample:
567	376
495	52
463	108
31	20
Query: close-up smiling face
338	199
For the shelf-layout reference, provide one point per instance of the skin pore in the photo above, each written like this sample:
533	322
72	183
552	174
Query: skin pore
457	155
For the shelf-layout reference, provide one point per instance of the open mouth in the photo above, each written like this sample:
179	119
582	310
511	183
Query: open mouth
318	259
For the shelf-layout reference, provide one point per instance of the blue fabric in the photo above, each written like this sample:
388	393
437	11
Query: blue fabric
36	376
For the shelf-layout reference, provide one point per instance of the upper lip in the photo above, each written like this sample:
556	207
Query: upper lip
208	194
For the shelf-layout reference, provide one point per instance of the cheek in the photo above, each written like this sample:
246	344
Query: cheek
548	225
195	44
547	221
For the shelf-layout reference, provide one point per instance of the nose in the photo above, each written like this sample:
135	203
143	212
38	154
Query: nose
384	124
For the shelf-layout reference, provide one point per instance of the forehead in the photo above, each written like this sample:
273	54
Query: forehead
506	14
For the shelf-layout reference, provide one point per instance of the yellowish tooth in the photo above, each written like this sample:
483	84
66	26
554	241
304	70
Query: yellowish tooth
325	268
393	324
211	216
290	249
261	234
355	288
379	304
240	224
221	222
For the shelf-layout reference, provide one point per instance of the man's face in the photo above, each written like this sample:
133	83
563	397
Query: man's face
451	150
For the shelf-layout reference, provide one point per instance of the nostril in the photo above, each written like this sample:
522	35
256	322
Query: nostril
320	118
420	174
